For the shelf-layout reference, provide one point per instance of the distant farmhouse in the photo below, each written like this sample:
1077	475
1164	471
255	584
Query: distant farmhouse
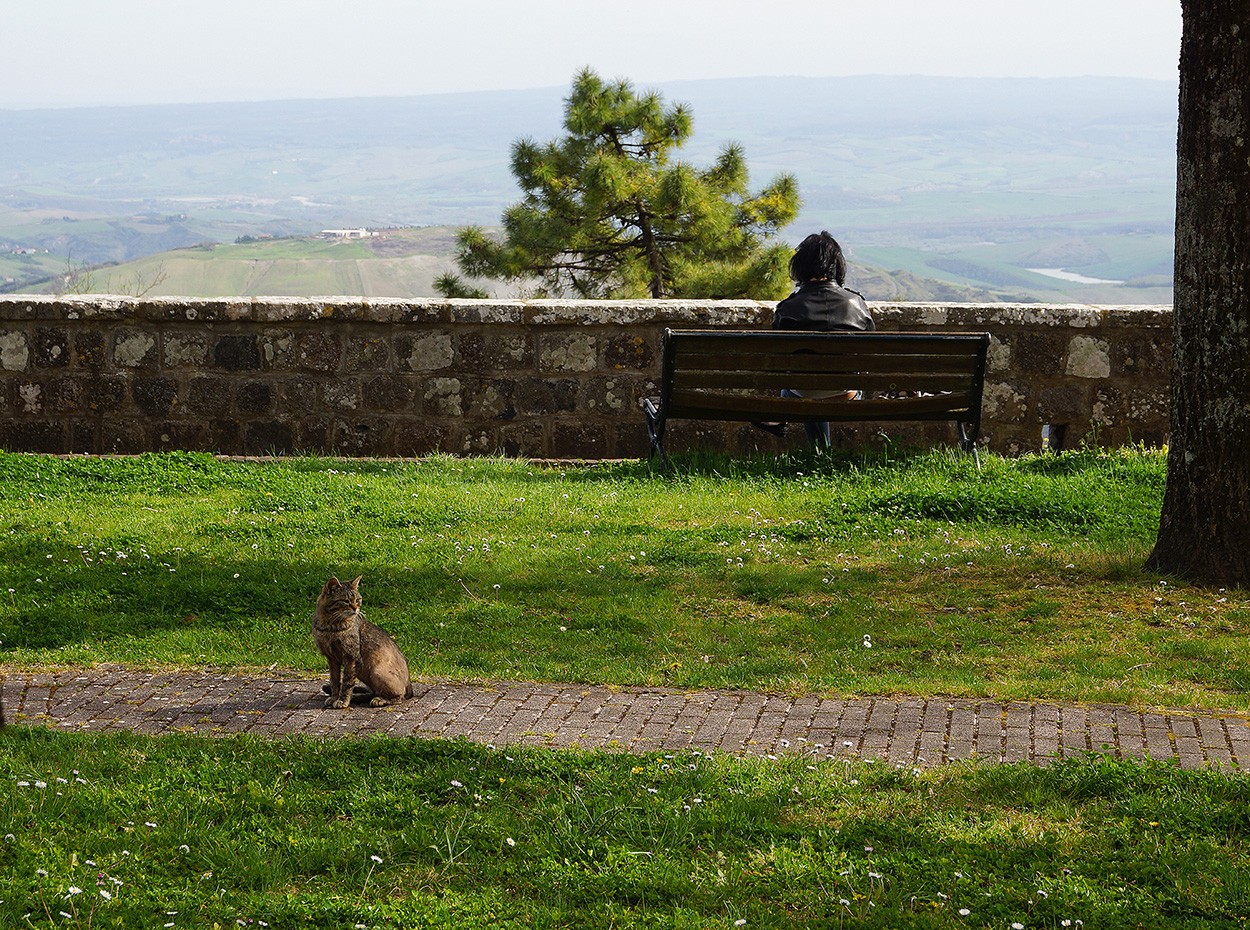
346	234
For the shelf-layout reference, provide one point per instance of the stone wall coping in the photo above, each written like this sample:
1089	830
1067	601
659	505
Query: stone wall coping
677	313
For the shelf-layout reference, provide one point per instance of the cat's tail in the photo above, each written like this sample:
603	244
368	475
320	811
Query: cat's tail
409	692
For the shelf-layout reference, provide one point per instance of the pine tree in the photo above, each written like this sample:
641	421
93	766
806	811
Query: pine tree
608	212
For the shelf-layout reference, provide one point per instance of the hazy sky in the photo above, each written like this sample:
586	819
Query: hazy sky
106	52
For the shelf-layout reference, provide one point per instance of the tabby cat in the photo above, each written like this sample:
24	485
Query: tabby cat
355	648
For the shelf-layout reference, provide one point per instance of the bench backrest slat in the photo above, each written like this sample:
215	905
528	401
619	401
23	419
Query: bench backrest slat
694	342
825	362
930	382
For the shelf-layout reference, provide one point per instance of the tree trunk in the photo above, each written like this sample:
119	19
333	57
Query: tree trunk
1204	532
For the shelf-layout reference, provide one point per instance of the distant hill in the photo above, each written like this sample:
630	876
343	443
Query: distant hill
393	263
970	182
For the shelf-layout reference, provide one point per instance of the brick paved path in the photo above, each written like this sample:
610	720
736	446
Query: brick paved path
901	731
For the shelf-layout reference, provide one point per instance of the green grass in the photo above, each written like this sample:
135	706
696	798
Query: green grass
194	832
1023	581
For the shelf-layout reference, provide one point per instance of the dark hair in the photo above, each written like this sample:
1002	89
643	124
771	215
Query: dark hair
818	256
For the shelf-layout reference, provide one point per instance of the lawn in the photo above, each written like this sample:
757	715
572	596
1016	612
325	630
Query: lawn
850	575
1021	581
193	832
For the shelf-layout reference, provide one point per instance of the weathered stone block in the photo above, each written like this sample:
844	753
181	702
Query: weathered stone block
575	351
388	392
277	350
186	350
616	394
51	348
997	355
255	397
701	434
178	434
1063	404
426	351
1002	400
134	349
156	396
630	440
1088	358
89	349
1145	355
123	437
1037	353
630	352
1109	406
225	436
29	397
47	436
419	437
342	394
420	311
540	396
65	395
492	352
105	393
83	437
369	436
1147	405
14	351
236	353
443	397
209	396
579	440
368	353
268	437
320	351
478	439
297	393
314	435
493	401
522	439
199	311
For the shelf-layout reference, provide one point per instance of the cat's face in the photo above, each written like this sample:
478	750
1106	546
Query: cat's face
345	593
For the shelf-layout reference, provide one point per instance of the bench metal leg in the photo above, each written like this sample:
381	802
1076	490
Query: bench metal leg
968	443
655	432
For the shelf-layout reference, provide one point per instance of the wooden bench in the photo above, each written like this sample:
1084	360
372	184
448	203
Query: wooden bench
739	375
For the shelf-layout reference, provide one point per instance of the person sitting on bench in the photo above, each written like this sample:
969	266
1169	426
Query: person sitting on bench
819	304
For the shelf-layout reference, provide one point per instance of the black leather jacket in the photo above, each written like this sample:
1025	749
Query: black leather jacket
823	305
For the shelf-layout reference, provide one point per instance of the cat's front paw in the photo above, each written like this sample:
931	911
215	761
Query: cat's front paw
335	702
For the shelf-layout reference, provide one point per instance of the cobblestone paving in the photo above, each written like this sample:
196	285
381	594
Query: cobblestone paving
900	731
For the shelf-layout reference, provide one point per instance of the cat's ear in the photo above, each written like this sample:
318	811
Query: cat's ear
331	584
356	582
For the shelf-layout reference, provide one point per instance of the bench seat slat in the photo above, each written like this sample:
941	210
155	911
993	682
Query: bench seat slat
855	381
697	405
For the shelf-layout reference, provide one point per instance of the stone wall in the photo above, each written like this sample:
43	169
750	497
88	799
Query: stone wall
543	379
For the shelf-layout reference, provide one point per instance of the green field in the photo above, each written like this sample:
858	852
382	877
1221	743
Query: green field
398	263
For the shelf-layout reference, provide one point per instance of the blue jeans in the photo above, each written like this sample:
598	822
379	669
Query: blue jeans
817	433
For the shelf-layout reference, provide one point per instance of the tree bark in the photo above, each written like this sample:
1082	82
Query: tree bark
1204	532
